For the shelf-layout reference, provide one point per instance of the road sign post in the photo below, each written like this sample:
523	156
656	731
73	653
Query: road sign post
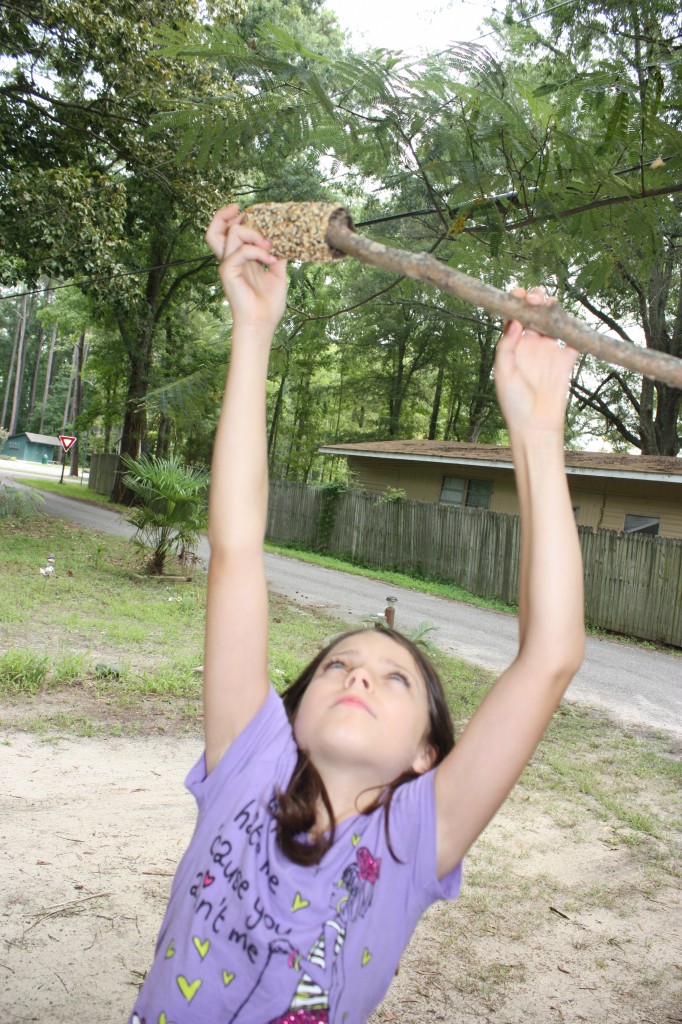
66	443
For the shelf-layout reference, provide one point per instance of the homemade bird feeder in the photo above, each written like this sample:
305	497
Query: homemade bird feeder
323	232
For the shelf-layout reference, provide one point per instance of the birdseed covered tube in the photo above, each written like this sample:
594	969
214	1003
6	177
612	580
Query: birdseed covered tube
298	231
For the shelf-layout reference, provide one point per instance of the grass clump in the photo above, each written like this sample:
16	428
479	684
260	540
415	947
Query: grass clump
69	669
22	672
17	504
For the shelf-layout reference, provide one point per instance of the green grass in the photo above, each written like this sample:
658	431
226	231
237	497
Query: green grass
424	585
439	588
22	672
71	489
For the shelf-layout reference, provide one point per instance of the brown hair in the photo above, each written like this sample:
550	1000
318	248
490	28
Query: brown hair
297	805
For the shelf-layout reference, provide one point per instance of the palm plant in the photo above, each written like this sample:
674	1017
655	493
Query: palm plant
171	508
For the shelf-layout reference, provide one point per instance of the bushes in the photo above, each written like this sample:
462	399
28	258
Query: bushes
171	509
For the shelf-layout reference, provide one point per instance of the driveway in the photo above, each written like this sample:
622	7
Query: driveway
635	686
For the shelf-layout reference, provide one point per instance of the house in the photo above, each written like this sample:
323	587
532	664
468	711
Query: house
630	493
31	447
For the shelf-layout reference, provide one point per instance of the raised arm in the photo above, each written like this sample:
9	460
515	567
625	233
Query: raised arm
532	375
235	649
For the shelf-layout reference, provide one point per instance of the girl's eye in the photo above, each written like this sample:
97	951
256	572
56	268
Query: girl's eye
401	677
334	663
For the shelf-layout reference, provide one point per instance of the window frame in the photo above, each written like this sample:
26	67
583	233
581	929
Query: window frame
650	525
466	484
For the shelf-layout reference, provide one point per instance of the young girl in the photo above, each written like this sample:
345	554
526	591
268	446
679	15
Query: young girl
329	820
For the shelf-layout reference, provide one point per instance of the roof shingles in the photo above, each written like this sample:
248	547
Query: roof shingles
606	462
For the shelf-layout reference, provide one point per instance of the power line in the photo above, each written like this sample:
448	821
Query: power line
529	17
510	196
108	277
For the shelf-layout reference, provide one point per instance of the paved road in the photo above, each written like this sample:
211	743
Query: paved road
633	685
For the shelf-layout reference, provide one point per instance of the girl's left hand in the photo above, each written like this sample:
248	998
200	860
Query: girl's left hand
532	373
255	281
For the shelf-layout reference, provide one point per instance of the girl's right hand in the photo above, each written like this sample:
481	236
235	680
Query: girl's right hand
532	373
255	281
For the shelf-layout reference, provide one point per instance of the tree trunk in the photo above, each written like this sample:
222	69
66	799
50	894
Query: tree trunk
48	374
16	397
396	384
135	416
162	437
274	423
667	418
453	414
13	359
484	398
67	403
34	375
107	420
435	409
298	419
659	406
77	403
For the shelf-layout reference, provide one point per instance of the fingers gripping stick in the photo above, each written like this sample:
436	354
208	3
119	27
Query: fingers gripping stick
321	232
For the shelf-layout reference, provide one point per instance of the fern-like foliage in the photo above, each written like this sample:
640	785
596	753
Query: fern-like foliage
285	93
171	509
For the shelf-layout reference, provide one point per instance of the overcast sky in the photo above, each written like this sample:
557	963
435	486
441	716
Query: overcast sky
401	25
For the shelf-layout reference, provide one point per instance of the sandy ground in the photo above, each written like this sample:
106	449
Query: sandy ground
554	924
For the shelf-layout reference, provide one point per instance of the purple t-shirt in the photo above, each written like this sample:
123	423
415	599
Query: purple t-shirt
251	938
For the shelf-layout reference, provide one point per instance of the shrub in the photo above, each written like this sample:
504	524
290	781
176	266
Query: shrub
391	495
171	509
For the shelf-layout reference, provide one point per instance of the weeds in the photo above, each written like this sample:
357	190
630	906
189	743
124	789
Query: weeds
22	672
18	504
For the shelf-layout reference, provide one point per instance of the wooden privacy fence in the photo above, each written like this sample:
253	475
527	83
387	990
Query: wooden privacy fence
102	473
633	583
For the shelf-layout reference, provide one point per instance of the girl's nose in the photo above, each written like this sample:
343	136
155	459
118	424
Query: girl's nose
359	677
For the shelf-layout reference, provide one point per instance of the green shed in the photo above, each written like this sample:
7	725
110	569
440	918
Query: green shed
31	447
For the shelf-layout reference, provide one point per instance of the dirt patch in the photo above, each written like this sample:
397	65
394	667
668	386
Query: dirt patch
554	923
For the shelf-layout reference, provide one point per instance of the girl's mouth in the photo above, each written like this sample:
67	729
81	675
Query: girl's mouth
355	702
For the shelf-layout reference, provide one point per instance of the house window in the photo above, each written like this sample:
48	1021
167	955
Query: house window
641	524
457	490
452	491
479	493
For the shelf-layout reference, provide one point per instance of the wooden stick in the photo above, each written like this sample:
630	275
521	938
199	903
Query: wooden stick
63	908
552	320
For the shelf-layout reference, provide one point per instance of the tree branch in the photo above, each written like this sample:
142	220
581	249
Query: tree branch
601	315
208	261
594	205
586	398
549	319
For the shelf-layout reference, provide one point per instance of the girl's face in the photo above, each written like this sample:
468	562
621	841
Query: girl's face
367	706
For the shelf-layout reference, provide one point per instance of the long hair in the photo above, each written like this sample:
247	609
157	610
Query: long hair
296	812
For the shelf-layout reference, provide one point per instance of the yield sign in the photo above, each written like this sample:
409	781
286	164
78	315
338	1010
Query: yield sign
67	442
